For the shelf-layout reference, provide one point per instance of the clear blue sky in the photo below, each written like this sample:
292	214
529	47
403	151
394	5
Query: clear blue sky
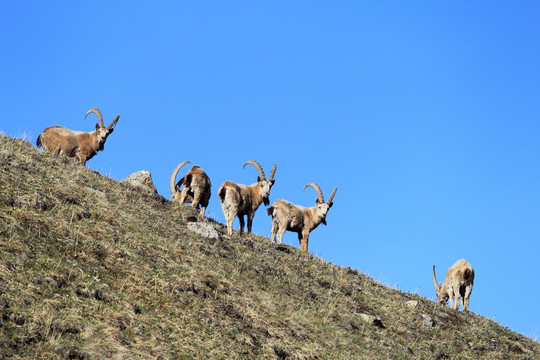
425	116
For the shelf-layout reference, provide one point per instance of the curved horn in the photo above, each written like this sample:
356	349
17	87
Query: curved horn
272	173
316	187
98	113
113	122
331	196
173	176
435	280
256	164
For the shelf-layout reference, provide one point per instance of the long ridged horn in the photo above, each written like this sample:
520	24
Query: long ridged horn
272	173
173	176
316	187
331	196
98	113
435	280
256	164
113	122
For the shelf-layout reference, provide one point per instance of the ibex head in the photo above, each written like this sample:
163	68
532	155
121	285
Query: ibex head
442	296
264	184
102	131
182	196
322	206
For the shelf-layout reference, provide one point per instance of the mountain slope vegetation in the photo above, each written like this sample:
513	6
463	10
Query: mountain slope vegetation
94	268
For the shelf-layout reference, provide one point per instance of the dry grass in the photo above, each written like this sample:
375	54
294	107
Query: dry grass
92	268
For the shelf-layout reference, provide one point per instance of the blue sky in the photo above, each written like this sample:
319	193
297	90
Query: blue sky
425	117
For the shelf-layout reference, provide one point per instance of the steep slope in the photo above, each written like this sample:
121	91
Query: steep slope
93	268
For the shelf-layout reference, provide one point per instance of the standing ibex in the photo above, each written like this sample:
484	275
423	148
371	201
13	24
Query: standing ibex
196	188
299	219
78	144
458	282
239	200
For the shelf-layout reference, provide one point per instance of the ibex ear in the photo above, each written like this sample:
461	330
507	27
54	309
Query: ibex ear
272	181
258	179
330	205
97	126
317	201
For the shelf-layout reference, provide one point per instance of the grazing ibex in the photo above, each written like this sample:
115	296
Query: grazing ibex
299	219
78	144
458	282
239	200
196	188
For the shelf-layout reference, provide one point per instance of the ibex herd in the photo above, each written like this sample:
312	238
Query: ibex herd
238	200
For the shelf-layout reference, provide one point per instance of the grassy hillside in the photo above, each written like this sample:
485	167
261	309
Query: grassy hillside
93	268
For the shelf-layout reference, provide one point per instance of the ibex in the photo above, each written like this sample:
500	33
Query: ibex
78	144
239	200
458	282
196	188
299	219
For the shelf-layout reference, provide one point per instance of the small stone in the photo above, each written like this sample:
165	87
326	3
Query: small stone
205	230
411	303
372	320
96	192
428	320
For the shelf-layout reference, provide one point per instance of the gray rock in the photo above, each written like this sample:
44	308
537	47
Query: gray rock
142	179
428	320
205	230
